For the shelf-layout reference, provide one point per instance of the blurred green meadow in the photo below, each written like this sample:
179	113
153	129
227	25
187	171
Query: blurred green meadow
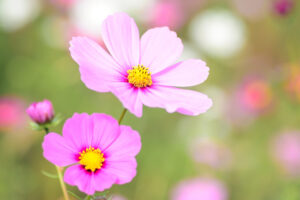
254	72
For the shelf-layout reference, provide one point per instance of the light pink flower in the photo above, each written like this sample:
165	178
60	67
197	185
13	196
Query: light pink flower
166	13
41	112
140	72
286	151
101	152
200	189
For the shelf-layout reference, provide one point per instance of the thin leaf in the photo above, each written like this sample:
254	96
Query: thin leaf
50	175
74	195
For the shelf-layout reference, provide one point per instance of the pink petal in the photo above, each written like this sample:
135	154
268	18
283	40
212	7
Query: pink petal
160	47
97	68
97	130
125	170
183	74
58	151
78	130
120	155
128	144
186	102
121	36
106	130
129	96
88	182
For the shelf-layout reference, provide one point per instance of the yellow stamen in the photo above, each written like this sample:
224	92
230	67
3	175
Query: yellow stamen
139	76
91	158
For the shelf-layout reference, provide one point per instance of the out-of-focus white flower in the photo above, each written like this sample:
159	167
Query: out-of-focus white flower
87	15
218	33
14	14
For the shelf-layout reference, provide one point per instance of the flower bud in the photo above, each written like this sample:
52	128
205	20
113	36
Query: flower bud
41	112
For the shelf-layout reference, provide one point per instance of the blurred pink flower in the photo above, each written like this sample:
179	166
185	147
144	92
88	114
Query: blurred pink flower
11	113
140	72
101	152
166	13
286	151
283	7
255	95
209	152
41	112
200	189
252	9
62	3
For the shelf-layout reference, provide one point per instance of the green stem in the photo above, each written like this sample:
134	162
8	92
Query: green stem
46	130
122	115
61	182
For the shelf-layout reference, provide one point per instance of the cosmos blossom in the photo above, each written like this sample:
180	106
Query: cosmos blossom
101	153
140	71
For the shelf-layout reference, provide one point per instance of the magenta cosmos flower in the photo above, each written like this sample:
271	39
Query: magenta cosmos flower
140	71
101	152
41	112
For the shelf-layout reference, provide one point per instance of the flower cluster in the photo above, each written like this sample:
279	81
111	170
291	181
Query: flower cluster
97	151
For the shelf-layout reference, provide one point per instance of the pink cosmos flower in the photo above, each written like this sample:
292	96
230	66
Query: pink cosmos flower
140	71
286	151
41	112
101	152
200	189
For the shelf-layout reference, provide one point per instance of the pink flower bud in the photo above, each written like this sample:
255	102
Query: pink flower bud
41	112
283	7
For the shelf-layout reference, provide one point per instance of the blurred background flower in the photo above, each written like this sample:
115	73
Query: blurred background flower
201	188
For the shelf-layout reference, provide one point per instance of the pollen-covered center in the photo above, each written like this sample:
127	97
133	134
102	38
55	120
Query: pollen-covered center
139	76
91	158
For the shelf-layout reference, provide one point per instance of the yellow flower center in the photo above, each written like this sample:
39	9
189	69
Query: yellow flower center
139	76
91	158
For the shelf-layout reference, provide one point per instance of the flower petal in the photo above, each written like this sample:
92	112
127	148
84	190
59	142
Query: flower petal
183	74
97	67
186	102
58	151
121	37
129	96
128	144
78	130
88	182
106	130
125	170
160	47
97	130
120	155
